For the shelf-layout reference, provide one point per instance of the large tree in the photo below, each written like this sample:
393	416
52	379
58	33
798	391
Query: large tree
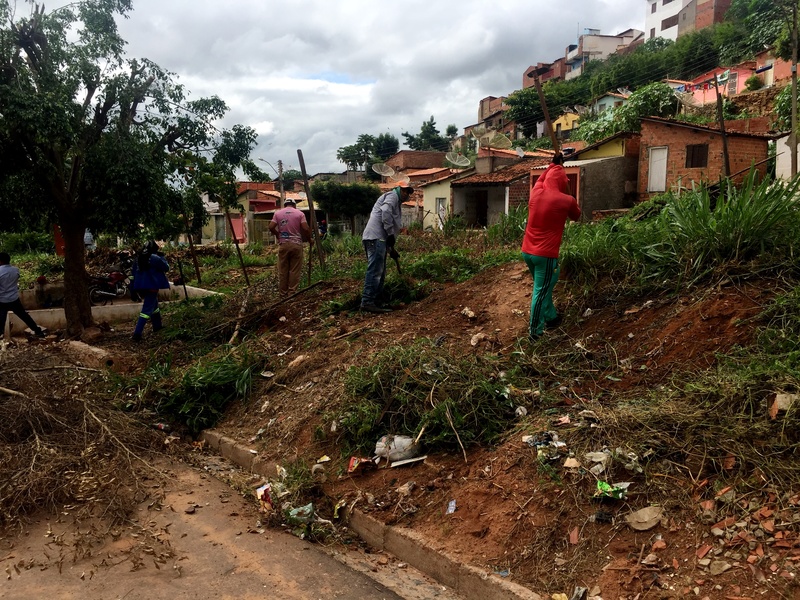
91	138
429	137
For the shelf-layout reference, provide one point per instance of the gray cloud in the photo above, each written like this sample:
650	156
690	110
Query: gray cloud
315	74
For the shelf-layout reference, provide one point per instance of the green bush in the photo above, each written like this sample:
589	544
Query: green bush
449	264
754	82
29	242
206	388
403	389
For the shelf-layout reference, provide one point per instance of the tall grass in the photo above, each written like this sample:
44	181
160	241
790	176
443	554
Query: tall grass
691	237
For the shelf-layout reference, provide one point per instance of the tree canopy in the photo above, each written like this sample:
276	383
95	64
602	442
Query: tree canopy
90	138
750	26
429	137
345	200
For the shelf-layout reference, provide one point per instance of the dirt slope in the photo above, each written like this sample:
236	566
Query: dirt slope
538	526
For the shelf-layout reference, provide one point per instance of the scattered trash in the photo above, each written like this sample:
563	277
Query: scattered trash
547	444
629	460
395	447
318	472
615	491
359	465
572	463
601	459
782	403
588	312
503	573
302	515
258	434
267	374
254	452
580	593
400	463
161	426
338	507
282	319
264	496
645	518
565	420
468	313
451	507
323	459
478	338
602	516
406	489
521	411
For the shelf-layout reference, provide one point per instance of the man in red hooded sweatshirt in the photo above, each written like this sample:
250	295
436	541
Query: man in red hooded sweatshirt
549	208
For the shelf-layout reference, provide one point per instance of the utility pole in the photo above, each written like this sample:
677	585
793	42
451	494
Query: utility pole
793	136
280	182
721	119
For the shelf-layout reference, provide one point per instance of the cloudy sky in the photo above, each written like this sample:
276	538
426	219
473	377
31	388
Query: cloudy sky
315	74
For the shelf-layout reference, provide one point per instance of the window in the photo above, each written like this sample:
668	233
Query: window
665	2
667	23
653	7
696	156
652	33
733	80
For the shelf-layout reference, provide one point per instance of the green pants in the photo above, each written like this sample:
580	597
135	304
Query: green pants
545	275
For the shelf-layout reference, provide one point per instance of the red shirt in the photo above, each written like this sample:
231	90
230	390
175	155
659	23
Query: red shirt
549	208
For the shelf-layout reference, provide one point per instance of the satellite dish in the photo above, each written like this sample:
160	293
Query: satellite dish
383	169
480	130
457	159
401	179
520	152
495	140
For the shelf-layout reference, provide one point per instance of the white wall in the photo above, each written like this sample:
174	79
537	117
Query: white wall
653	20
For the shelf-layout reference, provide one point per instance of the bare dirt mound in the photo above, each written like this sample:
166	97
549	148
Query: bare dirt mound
504	508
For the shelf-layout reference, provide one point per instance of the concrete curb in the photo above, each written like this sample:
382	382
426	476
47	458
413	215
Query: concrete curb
408	546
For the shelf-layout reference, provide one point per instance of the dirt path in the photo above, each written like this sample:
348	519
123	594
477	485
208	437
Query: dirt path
203	540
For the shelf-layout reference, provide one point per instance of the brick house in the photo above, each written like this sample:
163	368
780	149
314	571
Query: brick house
481	199
675	155
416	159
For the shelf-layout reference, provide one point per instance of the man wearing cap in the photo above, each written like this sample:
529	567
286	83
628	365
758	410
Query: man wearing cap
289	225
378	238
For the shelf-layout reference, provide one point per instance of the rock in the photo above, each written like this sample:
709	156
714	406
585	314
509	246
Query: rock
645	519
718	567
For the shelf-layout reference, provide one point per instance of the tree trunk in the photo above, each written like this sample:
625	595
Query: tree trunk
77	310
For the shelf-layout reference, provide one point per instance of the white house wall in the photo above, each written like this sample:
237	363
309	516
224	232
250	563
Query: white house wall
653	20
430	192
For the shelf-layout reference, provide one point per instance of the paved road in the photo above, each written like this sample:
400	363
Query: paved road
203	555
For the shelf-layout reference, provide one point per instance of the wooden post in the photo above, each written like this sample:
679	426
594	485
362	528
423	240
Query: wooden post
191	247
312	213
238	250
721	119
793	136
548	124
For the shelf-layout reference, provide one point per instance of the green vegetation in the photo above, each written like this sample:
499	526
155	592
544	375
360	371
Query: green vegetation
459	401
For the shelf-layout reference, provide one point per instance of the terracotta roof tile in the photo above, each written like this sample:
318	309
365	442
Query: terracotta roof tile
504	175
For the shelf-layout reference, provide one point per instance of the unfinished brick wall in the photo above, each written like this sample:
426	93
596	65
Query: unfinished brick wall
742	151
710	12
518	192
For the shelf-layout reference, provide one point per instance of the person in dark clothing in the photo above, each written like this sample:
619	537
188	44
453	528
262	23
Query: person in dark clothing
149	275
9	297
